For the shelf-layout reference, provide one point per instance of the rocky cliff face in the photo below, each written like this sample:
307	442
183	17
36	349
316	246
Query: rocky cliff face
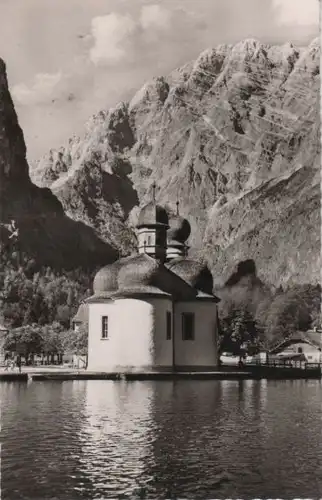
234	136
45	233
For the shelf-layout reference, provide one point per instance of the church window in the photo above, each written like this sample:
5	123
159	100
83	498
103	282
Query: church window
104	332
169	325
188	326
149	242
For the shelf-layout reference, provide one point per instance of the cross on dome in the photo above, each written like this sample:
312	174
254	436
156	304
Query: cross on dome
154	187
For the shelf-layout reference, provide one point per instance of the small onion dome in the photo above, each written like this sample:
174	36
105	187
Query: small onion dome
179	229
153	215
82	314
106	278
195	273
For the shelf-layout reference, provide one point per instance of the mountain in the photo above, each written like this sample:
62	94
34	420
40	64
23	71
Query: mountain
45	234
234	136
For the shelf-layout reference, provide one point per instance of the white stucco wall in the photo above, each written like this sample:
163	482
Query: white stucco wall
137	335
312	354
143	236
100	351
173	253
203	351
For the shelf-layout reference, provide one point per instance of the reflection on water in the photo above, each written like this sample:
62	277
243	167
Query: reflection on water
191	439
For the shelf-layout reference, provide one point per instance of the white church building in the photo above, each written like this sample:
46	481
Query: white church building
153	311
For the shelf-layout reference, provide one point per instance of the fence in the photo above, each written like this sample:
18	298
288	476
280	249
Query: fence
280	363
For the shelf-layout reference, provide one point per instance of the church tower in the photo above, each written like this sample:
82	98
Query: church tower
152	229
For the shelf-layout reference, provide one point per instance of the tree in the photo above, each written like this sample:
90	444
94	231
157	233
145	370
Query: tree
53	341
63	315
240	332
76	341
289	311
37	309
26	341
39	295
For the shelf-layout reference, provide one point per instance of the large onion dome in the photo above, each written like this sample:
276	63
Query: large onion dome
140	275
106	278
140	270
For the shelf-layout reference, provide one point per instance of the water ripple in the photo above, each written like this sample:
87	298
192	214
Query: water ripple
101	440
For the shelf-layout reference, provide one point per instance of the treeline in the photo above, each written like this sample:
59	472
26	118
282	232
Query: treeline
37	304
258	317
50	342
30	295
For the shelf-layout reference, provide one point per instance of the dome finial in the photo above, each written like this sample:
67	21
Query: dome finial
154	186
177	203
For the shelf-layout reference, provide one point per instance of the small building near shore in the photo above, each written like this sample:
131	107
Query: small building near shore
79	361
302	345
154	310
80	318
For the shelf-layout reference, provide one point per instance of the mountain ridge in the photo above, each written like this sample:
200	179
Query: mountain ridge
237	128
45	233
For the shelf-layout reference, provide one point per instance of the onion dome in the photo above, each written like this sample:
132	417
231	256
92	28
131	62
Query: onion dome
105	280
82	314
140	276
153	215
179	229
195	273
141	270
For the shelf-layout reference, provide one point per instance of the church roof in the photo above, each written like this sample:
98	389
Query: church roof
153	215
183	279
195	273
206	296
82	314
140	291
142	272
105	279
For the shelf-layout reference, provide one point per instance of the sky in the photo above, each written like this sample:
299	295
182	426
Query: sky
68	59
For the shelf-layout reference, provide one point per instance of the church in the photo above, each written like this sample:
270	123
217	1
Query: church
155	310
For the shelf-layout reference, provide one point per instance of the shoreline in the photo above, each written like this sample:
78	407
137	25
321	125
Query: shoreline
225	373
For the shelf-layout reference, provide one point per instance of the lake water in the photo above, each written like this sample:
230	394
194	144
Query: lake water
190	439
